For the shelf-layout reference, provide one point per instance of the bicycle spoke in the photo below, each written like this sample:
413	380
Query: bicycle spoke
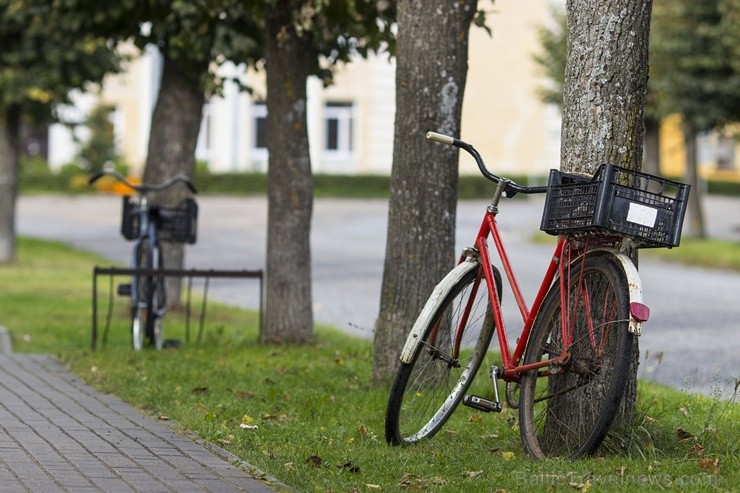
567	410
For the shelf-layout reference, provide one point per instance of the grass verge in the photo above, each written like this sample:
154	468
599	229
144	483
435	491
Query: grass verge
709	253
712	253
310	417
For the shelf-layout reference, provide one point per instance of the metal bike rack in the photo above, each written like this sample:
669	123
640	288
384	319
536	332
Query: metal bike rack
112	272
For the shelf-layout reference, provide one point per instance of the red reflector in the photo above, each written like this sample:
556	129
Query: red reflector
639	311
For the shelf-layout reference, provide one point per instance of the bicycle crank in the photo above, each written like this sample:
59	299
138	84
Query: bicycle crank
483	404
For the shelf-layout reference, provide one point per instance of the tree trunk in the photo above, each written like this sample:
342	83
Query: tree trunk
694	226
603	102
432	54
172	139
9	127
288	305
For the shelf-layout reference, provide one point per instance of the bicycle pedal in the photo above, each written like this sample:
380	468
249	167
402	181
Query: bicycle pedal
482	404
124	290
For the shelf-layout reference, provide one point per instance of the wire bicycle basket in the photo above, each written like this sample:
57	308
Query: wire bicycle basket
178	224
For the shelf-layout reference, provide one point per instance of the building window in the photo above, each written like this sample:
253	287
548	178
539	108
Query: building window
338	130
259	136
259	110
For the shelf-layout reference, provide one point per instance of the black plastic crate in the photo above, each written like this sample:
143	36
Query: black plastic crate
179	224
130	219
648	208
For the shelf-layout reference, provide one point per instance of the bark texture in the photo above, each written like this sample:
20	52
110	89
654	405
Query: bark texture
432	56
172	140
288	303
604	100
9	128
605	84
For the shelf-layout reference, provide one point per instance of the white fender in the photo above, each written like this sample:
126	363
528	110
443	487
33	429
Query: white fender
634	282
431	306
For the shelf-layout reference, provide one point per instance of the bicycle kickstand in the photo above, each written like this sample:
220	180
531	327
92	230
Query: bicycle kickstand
483	404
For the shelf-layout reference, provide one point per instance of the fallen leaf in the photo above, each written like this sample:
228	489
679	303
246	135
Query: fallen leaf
580	486
163	418
709	465
507	455
697	449
245	394
199	390
247	419
439	481
373	486
474	418
348	466
683	434
313	460
473	474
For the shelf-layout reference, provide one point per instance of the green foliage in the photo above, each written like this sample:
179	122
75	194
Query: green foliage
100	148
313	420
554	44
46	52
338	29
694	67
694	61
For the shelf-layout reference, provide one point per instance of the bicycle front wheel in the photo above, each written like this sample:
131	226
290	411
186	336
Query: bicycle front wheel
566	410
427	390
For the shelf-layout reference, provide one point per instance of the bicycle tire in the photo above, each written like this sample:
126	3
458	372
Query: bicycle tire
428	389
148	301
569	412
140	304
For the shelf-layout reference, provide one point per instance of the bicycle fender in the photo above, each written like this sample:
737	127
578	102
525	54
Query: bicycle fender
431	306
639	312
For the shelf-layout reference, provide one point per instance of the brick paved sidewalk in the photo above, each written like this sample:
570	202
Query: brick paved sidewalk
59	434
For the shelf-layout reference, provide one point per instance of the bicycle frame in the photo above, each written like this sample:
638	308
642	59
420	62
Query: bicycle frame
149	234
511	360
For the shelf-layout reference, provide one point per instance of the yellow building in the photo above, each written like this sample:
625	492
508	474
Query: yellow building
351	122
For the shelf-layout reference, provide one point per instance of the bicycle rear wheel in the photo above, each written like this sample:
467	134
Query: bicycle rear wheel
567	410
427	390
147	300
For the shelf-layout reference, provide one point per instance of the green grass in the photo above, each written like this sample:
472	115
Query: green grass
320	420
713	253
709	253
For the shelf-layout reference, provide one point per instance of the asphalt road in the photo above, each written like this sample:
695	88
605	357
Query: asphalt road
691	341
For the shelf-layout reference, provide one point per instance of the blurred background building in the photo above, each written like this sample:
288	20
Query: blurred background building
351	122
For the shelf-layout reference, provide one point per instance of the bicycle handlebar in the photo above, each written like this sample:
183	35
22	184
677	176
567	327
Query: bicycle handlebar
144	187
511	188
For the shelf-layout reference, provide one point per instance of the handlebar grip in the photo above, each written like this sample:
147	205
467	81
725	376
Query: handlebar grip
441	138
95	177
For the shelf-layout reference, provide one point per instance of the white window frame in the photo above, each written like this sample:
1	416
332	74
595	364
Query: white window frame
344	114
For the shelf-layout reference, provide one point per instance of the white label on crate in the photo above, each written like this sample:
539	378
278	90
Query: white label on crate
643	215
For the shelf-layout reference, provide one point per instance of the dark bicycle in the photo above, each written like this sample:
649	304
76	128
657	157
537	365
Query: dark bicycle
149	224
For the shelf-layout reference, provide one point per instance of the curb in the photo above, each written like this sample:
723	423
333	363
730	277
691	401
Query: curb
6	343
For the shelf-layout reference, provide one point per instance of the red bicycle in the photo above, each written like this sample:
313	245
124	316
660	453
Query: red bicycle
570	362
